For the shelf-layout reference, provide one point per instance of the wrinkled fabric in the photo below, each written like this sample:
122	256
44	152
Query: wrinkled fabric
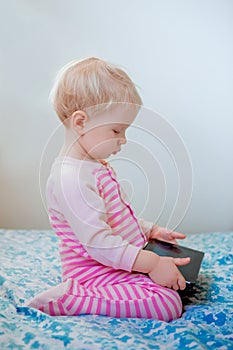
29	263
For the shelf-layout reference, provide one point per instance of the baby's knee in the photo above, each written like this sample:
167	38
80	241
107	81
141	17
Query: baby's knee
175	305
170	303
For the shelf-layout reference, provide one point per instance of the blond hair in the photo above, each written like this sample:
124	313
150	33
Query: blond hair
91	82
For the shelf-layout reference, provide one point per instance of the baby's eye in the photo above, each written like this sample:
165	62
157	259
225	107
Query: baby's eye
116	131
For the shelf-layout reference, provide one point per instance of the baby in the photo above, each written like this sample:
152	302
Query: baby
105	270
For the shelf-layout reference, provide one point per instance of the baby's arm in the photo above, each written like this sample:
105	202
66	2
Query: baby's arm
162	270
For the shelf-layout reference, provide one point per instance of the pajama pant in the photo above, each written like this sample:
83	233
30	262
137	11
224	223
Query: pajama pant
133	296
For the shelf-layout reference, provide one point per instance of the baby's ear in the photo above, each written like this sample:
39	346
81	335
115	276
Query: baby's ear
78	121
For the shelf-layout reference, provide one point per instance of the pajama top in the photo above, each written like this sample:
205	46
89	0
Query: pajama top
95	217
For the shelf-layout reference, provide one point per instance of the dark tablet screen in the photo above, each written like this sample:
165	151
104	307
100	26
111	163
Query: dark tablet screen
190	271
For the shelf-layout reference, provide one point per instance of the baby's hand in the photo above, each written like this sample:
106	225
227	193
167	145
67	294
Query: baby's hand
165	234
166	273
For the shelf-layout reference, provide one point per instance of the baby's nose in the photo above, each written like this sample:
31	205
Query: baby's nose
122	140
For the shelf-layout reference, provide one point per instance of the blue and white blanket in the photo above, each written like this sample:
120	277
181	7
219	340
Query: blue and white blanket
29	264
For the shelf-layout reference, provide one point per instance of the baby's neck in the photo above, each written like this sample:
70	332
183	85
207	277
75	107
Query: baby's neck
72	148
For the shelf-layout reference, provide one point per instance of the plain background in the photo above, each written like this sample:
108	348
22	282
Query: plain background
179	53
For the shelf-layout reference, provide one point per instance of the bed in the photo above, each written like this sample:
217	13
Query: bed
30	264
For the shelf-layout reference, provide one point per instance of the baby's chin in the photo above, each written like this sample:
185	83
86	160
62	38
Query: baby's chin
115	152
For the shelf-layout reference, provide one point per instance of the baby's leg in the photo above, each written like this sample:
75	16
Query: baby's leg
143	300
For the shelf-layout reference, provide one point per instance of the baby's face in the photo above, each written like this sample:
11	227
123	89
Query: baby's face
105	133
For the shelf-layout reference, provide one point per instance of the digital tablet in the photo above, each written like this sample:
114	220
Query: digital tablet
189	271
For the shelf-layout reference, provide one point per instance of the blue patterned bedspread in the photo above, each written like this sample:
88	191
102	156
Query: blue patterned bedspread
30	263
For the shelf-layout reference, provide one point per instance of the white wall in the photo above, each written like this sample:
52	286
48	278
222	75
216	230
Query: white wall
179	53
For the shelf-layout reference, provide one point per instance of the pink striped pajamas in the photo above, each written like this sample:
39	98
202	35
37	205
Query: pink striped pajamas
99	239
